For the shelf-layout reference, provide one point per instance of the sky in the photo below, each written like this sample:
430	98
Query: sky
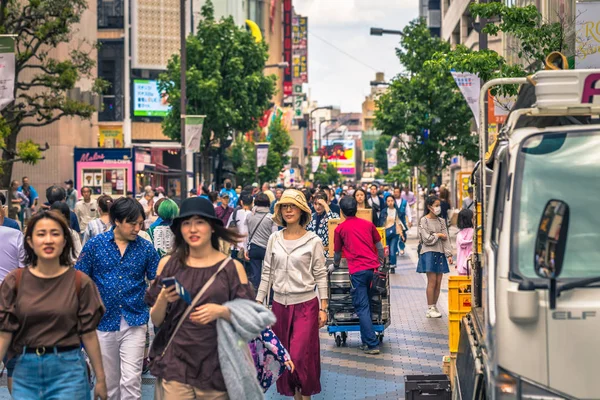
342	56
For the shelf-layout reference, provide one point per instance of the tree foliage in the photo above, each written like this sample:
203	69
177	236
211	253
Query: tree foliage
224	78
399	175
328	175
41	81
277	158
532	39
243	158
381	147
426	106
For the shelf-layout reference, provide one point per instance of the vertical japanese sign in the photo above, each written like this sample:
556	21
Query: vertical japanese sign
300	50
193	133
469	85
7	70
287	47
262	154
587	38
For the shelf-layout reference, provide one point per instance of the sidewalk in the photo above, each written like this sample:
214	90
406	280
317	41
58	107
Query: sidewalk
412	344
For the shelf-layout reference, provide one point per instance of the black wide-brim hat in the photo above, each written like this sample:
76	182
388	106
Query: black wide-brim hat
196	206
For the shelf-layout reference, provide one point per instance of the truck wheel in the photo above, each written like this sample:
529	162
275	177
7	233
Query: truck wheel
338	341
344	337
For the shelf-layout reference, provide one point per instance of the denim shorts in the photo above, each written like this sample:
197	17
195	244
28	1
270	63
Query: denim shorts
52	376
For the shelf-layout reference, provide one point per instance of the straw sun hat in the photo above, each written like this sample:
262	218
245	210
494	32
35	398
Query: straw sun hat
295	197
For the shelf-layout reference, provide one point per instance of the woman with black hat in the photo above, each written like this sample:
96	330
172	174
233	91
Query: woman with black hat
189	367
294	264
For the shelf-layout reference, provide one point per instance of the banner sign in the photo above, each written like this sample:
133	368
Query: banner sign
300	49
341	153
287	47
193	133
587	39
392	158
7	70
469	85
262	154
110	136
315	160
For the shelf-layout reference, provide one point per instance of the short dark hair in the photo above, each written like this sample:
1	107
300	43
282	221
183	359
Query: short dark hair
348	205
465	219
88	188
105	202
429	201
320	195
2	198
262	200
213	196
55	193
126	209
68	254
63	208
246	199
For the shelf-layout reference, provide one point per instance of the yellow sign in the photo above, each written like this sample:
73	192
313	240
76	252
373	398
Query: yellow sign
110	136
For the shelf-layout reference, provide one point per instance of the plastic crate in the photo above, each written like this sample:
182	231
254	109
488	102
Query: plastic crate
454	329
382	234
459	293
430	387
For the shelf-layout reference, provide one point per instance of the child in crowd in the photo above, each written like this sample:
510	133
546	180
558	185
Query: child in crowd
464	241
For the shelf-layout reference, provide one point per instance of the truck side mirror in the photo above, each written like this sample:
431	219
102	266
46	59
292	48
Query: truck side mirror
551	240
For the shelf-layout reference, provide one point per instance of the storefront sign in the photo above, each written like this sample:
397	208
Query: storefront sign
469	85
262	154
110	136
587	40
105	170
287	47
193	133
7	70
300	49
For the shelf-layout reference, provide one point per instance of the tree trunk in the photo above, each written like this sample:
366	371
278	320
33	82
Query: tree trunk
7	160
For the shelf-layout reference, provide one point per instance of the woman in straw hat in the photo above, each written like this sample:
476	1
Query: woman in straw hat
294	264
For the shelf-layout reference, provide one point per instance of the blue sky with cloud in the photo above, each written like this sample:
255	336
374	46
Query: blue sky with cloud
342	79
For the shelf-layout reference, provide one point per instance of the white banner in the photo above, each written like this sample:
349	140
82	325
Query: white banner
315	160
469	85
392	158
587	39
193	133
262	153
7	70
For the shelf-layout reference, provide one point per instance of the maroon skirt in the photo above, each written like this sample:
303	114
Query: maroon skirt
297	327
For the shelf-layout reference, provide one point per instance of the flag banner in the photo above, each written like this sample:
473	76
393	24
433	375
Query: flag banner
262	153
469	85
193	133
392	158
7	70
316	160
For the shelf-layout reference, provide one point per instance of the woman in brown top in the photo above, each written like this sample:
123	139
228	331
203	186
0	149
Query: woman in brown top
46	311
189	368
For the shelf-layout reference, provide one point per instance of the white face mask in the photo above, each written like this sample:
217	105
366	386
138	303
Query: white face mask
437	210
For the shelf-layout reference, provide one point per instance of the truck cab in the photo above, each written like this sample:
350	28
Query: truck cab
534	332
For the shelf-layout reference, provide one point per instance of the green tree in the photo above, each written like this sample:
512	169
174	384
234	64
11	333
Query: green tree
381	147
328	175
243	157
399	175
425	106
277	158
531	39
41	81
225	82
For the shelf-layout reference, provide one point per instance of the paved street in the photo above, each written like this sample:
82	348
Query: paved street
412	345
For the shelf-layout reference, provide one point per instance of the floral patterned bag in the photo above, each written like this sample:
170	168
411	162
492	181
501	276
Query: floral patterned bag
269	357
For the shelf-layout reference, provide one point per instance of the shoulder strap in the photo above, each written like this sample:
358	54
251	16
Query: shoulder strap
195	301
257	225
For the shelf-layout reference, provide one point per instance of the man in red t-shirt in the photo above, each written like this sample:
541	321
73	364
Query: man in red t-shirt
361	244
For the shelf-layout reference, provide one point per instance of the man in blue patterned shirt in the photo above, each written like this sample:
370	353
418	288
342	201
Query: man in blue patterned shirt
119	262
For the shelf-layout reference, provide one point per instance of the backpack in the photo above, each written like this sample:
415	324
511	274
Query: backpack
233	223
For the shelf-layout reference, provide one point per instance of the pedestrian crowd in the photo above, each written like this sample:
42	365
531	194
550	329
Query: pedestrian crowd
97	291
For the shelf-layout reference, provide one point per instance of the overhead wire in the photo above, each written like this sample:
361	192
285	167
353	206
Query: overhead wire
343	52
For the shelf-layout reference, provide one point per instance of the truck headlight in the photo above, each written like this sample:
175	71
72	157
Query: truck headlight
509	386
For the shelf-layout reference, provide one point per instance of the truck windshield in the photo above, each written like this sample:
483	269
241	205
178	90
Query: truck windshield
566	167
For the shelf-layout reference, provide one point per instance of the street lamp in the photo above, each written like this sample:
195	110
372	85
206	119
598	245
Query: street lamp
310	128
281	65
183	99
321	130
381	32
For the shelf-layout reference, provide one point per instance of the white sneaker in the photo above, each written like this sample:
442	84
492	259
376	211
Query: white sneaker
432	312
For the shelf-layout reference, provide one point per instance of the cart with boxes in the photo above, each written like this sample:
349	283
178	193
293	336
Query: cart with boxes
342	318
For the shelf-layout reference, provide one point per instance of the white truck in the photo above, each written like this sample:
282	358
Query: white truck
534	328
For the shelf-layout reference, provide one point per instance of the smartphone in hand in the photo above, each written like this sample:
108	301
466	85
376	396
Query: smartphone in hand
184	294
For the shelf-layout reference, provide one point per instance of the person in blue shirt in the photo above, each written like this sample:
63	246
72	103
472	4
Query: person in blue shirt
4	220
233	196
120	262
31	194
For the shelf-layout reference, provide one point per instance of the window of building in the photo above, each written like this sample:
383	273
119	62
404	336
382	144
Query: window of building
256	13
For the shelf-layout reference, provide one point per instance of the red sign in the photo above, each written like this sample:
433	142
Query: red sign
287	47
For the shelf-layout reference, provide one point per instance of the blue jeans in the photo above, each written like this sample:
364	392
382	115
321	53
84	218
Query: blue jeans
361	283
52	376
401	243
256	256
392	242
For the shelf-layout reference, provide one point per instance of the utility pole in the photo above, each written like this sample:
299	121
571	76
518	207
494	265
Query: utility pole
183	62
